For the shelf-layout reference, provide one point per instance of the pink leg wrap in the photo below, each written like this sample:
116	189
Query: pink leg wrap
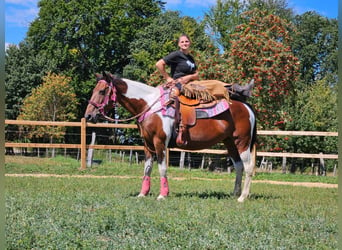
164	186
145	188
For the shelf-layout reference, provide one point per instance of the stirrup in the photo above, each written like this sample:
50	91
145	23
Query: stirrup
181	139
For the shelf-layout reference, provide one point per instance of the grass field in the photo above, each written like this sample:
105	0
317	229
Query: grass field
104	213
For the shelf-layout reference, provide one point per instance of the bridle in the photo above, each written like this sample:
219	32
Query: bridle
110	95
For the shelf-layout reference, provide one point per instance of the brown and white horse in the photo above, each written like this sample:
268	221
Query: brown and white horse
235	127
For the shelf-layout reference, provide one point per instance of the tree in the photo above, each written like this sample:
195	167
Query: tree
221	20
314	109
275	7
54	100
315	44
24	71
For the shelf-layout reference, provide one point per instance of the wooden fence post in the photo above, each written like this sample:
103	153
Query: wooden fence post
283	165
91	150
130	156
203	161
136	158
83	144
181	161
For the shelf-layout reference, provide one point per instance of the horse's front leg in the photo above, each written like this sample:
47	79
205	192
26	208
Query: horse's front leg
146	183
162	166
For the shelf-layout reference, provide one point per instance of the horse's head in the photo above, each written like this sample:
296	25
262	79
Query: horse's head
102	99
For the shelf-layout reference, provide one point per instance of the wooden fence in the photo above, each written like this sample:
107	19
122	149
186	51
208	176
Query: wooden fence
83	146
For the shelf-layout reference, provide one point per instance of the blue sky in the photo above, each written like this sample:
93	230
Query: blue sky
19	13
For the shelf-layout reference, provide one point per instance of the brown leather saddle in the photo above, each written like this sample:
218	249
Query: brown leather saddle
185	113
186	116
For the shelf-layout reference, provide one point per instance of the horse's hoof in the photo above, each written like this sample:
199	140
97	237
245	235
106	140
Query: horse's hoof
237	194
241	199
161	198
141	195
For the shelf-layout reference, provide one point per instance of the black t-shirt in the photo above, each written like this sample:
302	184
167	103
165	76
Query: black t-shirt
180	63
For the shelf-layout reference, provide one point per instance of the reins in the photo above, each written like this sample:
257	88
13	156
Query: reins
101	106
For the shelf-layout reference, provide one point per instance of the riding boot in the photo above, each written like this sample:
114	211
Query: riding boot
174	93
182	138
245	90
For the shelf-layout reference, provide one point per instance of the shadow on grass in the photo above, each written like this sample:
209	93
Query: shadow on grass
263	197
213	195
206	195
223	195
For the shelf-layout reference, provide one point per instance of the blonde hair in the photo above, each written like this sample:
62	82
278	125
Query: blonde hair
182	35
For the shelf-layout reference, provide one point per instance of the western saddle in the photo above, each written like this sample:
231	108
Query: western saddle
185	107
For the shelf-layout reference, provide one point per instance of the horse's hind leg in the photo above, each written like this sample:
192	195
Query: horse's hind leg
146	183
248	162
243	161
238	165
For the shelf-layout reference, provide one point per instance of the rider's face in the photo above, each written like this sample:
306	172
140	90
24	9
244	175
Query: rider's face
184	43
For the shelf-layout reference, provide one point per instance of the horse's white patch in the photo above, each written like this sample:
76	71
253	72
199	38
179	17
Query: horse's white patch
251	118
139	90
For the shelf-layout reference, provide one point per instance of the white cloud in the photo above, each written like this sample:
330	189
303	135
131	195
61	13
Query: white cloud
189	3
205	3
20	13
22	2
173	2
8	45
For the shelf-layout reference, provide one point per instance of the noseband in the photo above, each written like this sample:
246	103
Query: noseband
108	97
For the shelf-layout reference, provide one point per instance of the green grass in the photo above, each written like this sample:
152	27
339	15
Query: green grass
70	213
61	165
88	213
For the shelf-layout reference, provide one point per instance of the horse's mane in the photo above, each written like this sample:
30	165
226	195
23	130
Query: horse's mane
138	84
138	90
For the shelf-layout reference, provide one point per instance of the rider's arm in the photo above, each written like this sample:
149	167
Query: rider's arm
188	78
161	67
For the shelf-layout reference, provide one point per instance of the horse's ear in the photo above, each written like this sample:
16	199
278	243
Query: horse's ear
98	76
107	76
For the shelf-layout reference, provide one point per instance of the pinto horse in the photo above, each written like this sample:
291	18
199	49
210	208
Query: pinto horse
235	127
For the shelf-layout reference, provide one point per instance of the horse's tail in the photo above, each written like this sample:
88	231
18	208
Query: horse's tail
252	146
254	133
253	125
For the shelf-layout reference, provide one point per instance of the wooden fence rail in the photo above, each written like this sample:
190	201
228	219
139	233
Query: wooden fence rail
83	146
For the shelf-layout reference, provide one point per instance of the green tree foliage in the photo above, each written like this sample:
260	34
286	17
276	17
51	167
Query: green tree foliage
54	100
316	47
222	18
24	71
276	7
315	109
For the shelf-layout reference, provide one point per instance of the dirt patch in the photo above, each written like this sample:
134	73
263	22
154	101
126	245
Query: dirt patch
303	184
